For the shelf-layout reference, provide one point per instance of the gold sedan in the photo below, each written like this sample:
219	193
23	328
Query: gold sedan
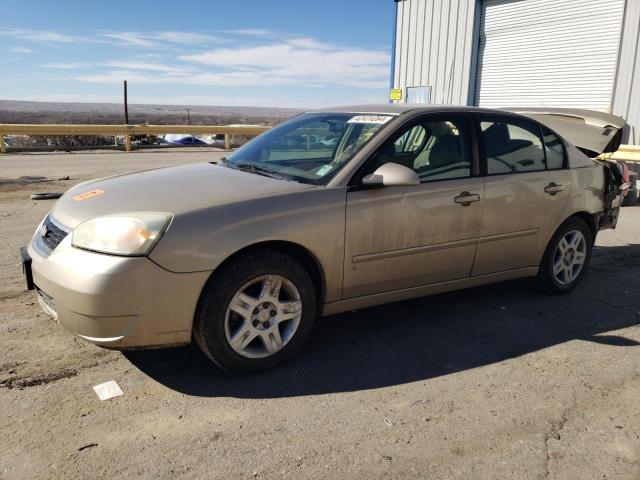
333	210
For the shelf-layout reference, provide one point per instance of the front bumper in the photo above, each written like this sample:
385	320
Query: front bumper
116	302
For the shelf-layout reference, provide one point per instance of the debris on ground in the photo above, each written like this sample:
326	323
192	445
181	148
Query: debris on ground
46	196
88	445
108	390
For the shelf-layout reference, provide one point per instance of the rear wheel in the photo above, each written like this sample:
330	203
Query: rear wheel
566	258
256	312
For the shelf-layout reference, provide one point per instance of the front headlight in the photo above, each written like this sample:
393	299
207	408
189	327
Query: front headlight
131	234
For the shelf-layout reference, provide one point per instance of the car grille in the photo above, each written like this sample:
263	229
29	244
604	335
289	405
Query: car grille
49	236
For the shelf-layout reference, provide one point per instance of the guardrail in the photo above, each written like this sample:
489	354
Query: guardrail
127	131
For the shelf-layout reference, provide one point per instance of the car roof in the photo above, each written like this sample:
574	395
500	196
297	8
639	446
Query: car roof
401	108
593	131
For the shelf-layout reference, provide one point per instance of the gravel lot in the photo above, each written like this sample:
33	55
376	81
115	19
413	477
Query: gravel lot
494	382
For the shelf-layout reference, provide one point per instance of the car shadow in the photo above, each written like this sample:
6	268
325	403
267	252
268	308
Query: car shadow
427	337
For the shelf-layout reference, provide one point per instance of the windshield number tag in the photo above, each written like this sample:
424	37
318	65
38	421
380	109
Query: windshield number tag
377	119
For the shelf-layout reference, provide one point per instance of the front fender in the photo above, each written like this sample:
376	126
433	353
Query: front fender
314	219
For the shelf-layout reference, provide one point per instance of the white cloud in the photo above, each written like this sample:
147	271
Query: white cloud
186	37
64	66
37	36
129	38
310	43
20	50
149	55
228	79
253	32
296	61
157	39
117	76
145	66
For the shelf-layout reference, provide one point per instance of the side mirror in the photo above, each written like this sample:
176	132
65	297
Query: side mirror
391	175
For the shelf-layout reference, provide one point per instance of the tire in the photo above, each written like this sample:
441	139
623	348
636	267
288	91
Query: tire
46	196
250	325
556	277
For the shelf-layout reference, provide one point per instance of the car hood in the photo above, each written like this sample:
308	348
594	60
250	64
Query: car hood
591	131
173	190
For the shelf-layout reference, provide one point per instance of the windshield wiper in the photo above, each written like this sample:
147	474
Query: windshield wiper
224	161
253	168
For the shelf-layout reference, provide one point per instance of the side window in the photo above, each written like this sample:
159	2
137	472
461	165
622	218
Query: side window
554	148
512	146
410	141
434	149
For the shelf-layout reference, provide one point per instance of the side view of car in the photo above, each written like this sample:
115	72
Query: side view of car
404	201
188	140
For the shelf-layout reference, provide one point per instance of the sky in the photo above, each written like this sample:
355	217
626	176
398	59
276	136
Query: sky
304	53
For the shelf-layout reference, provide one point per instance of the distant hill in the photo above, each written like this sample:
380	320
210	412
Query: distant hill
14	111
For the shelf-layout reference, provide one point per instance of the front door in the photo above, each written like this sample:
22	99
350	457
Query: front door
407	236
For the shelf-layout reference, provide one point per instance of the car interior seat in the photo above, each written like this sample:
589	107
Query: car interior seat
446	151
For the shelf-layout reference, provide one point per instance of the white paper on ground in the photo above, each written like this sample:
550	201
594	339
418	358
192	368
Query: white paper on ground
108	390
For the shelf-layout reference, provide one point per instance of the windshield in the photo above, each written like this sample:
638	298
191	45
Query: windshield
310	148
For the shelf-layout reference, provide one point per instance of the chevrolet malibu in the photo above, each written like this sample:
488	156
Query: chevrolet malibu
333	210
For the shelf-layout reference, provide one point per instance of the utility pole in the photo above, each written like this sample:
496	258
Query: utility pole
188	116
127	137
126	106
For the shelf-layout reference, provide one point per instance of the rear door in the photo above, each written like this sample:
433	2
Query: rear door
527	187
399	237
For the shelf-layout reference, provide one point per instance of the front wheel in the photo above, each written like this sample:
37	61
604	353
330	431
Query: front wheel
255	312
566	258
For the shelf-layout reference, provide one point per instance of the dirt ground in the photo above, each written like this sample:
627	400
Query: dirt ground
493	382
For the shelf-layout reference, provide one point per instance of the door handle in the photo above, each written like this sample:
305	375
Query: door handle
553	188
465	198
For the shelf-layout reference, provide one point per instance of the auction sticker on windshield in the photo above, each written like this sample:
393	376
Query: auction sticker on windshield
370	119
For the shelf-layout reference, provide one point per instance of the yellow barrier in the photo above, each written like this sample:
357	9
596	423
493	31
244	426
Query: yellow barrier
626	153
128	130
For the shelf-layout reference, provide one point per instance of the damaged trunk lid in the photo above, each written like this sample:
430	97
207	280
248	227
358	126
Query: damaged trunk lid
592	132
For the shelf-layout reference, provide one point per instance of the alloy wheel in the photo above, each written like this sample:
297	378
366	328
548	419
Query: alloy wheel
263	316
569	257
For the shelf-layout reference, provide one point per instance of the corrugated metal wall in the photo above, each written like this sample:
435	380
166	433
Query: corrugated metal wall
434	45
626	99
536	53
436	39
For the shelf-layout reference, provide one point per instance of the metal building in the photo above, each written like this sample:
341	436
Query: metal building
501	53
